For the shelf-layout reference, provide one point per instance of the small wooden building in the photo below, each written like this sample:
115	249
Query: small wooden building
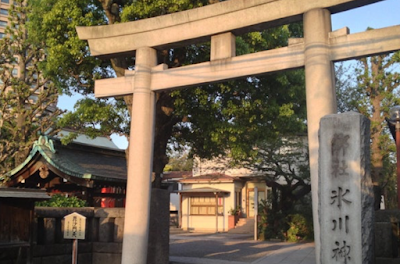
96	174
16	223
206	201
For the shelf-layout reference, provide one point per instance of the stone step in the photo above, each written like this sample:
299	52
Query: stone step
242	221
244	226
176	230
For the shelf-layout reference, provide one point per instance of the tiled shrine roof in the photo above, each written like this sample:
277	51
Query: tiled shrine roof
74	160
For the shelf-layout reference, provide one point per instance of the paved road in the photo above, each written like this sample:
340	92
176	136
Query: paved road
224	248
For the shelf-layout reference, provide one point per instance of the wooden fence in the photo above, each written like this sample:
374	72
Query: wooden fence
387	236
103	238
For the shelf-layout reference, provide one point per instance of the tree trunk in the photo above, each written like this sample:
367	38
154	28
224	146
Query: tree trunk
376	129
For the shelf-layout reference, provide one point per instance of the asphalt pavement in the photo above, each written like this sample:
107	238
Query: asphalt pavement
225	248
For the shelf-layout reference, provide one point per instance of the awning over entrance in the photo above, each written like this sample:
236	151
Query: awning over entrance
202	191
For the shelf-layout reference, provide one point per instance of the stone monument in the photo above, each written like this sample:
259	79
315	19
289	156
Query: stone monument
346	199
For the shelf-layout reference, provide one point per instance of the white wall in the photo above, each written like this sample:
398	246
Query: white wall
174	202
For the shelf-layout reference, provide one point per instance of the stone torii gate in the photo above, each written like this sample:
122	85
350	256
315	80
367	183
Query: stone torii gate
221	22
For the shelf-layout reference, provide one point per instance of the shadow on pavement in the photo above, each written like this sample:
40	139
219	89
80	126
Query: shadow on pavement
235	249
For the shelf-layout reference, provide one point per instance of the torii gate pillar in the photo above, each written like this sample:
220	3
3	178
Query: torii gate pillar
136	229
320	90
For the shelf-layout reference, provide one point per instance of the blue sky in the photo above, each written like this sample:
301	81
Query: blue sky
382	14
378	15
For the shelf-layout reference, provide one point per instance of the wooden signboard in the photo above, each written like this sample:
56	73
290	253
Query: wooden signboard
74	226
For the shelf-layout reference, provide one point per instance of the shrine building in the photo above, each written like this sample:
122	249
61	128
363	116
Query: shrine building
92	170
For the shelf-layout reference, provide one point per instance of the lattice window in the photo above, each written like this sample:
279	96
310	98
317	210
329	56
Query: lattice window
205	205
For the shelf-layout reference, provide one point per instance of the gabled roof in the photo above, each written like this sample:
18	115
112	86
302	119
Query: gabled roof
214	178
73	160
176	175
100	142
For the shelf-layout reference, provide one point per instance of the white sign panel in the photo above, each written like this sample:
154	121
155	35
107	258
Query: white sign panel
74	226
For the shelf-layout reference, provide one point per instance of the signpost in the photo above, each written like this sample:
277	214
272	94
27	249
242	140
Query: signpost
255	213
74	228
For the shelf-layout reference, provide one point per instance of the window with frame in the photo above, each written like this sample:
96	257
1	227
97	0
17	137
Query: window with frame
2	35
5	1
3	12
3	24
204	205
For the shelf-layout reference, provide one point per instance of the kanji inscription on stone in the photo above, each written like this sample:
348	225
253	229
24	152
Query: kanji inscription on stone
346	200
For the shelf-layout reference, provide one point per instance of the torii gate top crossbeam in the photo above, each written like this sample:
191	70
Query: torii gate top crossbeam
191	26
343	46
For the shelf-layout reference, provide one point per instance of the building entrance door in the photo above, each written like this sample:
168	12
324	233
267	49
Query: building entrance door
250	201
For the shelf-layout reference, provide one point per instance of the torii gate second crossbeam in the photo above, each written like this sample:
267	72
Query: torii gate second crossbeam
316	52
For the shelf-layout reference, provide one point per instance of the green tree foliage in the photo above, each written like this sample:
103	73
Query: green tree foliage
284	163
210	119
294	227
69	64
27	97
59	200
179	162
300	227
371	87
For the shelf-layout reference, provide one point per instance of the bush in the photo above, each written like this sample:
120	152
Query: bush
300	229
276	226
59	200
235	211
272	225
293	227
